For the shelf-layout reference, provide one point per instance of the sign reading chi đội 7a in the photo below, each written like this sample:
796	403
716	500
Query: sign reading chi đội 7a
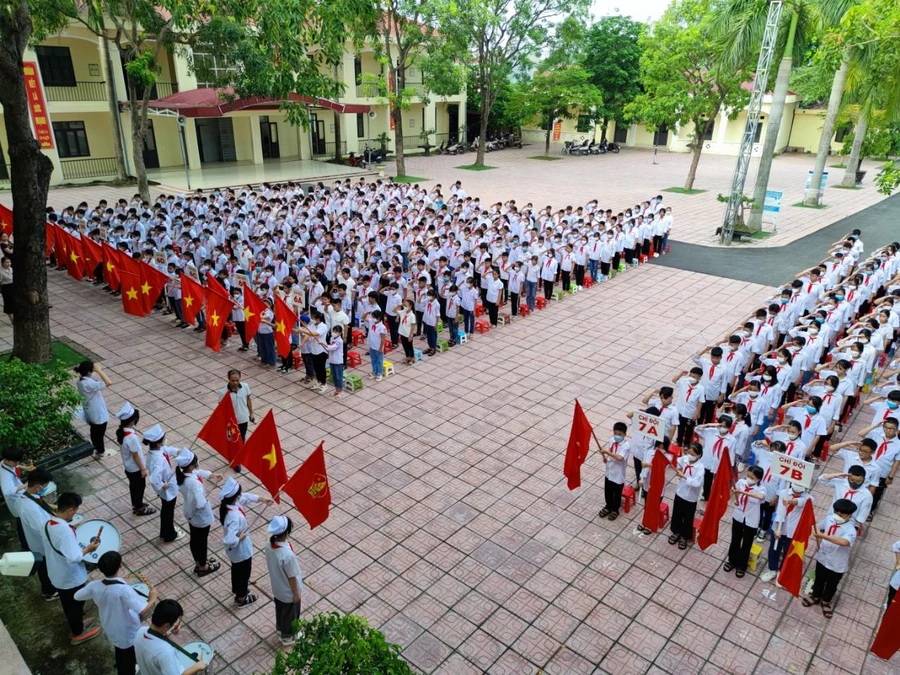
648	426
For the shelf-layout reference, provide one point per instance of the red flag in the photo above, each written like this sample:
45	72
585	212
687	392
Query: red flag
791	575
62	241
221	430
192	294
654	494
263	458
213	285
74	258
111	266
285	320
93	255
309	490
253	309
152	284
131	294
719	498
218	308
887	639
51	239
577	450
6	220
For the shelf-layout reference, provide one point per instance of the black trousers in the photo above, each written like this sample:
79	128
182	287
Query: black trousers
629	256
613	493
514	303
199	544
685	430
638	466
566	280
548	289
879	493
826	583
73	609
126	661
407	346
604	269
419	321
741	542
240	577
242	427
242	332
683	513
167	520
493	311
286	613
766	513
708	477
98	437
707	412
47	587
23	541
136	485
394	328
320	364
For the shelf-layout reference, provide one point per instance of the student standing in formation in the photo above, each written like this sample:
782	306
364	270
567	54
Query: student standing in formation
161	465
835	535
407	316
156	654
133	458
689	397
121	609
745	520
791	502
197	510
548	273
12	487
851	486
375	341
716	440
95	411
689	470
285	577
336	359
616	461
236	538
65	564
33	513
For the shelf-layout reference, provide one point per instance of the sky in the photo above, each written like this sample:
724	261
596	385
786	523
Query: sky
638	10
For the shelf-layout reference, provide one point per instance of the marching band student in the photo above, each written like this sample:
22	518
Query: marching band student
121	609
791	502
744	520
690	481
12	487
155	653
834	535
133	458
851	486
237	538
161	466
196	509
716	439
65	565
616	461
688	398
34	512
95	411
285	577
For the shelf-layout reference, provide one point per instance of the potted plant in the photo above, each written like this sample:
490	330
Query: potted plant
424	137
383	139
339	644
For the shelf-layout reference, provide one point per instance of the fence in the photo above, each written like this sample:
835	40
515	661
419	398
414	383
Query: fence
92	167
80	91
323	149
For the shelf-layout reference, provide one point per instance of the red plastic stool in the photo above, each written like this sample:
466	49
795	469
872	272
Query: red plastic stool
388	347
482	326
697	522
479	310
826	446
297	360
358	337
629	498
663	515
231	328
588	282
523	310
354	359
541	302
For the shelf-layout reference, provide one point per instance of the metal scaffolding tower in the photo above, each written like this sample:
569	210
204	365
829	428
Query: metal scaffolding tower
766	54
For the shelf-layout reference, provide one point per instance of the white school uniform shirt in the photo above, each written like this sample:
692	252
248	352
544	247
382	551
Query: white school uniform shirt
161	467
195	506
669	414
156	656
690	484
33	517
747	508
687	397
64	556
235	522
881	411
94	406
407	322
548	269
832	403
834	557
282	563
740	432
714	445
494	288
131	444
615	469
733	363
862	497
850	457
120	609
789	516
9	483
811	425
713	380
887	451
793	448
756	407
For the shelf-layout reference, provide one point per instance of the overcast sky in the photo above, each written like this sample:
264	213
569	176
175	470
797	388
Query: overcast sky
639	10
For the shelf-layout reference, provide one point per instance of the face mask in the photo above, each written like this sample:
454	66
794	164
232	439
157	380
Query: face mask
693	380
767	378
839	520
892	405
692	459
813	331
839	297
854	355
820	319
618	438
854	485
811	410
753	394
44	490
782	360
793	437
784	301
723	432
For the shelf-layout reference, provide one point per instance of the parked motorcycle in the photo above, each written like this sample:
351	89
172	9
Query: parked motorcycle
606	146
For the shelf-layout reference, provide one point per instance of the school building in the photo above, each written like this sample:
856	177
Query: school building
192	125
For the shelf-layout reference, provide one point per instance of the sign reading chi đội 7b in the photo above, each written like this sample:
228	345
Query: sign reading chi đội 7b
792	469
648	426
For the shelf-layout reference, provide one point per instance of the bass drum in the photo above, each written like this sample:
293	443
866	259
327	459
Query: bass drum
197	648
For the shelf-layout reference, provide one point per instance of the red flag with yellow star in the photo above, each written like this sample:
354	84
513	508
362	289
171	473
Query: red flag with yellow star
93	255
131	294
262	456
577	450
791	575
61	250
285	320
153	282
192	294
218	309
74	258
6	220
309	490
221	430
51	239
887	639
253	309
111	266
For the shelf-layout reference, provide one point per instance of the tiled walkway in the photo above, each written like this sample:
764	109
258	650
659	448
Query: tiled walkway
452	529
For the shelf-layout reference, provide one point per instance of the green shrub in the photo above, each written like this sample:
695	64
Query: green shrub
36	405
335	644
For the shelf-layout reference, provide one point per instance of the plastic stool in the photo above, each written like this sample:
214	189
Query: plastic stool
588	282
461	338
482	326
755	551
523	310
388	347
352	382
479	310
663	515
354	359
559	295
231	328
443	345
388	368
697	522
418	354
358	337
297	360
629	498
440	326
541	302
504	319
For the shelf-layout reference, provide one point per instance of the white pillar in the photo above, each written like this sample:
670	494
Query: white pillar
192	145
185	78
255	140
721	129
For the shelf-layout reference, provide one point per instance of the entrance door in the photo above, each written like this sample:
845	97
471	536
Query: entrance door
264	136
621	134
318	139
661	136
151	156
453	120
274	150
208	141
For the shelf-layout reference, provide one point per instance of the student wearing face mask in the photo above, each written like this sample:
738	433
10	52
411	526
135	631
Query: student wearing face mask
744	520
861	454
615	457
516	280
782	363
813	427
887	455
851	485
713	381
749	397
689	397
716	440
790	435
689	470
155	653
468	296
882	407
791	502
834	535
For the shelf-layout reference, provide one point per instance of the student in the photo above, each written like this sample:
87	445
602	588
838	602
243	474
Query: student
532	275
549	267
851	485
616	461
319	355
451	310
285	577
716	440
95	412
196	509
121	609
834	535
713	381
133	458
516	281
12	487
492	296
791	502
161	467
887	455
860	454
33	513
155	653
65	565
430	319
744	520
646	470
790	435
336	360
468	296
663	401
690	481
236	538
265	335
375	341
688	399
407	316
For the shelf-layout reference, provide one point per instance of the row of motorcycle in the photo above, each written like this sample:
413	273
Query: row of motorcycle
458	147
585	147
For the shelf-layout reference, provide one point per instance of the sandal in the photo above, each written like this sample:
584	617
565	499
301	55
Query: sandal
146	510
213	567
740	574
683	544
604	512
249	599
810	601
645	530
827	610
728	567
612	516
673	539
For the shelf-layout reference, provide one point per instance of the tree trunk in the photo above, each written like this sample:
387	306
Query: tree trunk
811	198
604	128
776	112
855	159
337	137
482	132
138	130
113	99
397	116
547	138
695	161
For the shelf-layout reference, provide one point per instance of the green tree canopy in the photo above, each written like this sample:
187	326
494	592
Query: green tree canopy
612	56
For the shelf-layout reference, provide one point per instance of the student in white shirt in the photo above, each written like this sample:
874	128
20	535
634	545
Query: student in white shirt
851	485
887	454
65	565
492	296
615	457
33	513
549	267
407	318
745	520
285	577
335	351
155	653
133	458
713	381
689	470
834	535
161	467
121	609
236	538
375	341
429	319
196	508
716	439
12	487
94	406
688	398
791	502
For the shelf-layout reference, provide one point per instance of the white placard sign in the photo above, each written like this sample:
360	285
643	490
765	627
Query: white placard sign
792	469
648	426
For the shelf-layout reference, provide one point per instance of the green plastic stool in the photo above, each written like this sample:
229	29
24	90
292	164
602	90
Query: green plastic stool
353	382
440	326
559	295
443	345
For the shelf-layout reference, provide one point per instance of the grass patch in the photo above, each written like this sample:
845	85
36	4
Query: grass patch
475	167
64	355
838	166
748	237
682	191
545	158
801	205
409	179
847	187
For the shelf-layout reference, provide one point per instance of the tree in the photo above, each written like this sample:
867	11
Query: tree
683	79
22	21
502	37
560	93
612	57
505	113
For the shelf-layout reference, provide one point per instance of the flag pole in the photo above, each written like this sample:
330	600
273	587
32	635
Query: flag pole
599	446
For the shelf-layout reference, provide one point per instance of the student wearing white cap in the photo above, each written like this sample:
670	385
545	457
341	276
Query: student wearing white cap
133	458
196	509
161	465
285	577
237	539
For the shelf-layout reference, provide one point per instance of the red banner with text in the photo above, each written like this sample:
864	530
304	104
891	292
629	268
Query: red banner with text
38	107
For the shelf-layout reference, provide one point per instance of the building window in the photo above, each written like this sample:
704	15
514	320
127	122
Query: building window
71	139
360	125
759	128
357	69
56	66
212	70
585	124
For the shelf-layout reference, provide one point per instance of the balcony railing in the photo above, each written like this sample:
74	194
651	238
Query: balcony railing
80	91
323	149
91	167
370	90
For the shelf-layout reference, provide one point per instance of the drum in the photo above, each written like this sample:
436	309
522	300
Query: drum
142	589
197	648
49	493
77	520
109	539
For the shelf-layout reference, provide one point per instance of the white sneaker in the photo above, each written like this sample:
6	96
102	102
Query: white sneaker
378	378
323	388
768	575
287	642
656	255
